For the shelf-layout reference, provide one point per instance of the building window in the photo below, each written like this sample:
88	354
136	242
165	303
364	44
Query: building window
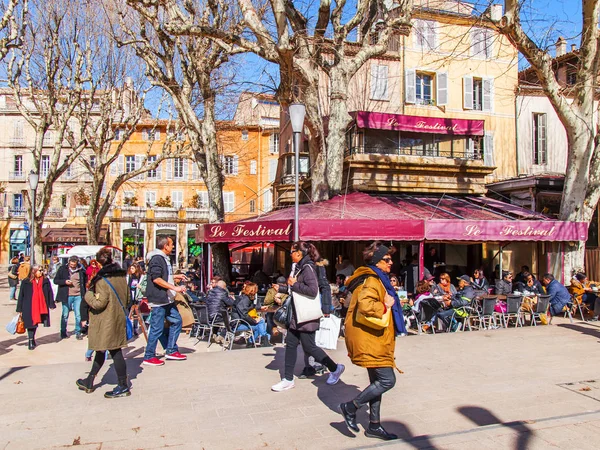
571	78
150	134
253	167
481	42
150	199
18	165
177	199
178	168
379	82
274	143
540	150
48	139
244	135
128	197
18	201
252	206
129	163
119	134
152	173
230	164
18	132
202	200
229	201
424	86
92	161
267	200
478	93
425	34
44	166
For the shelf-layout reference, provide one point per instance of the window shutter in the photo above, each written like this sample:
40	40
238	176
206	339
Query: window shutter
253	167
113	168
419	33
120	168
185	168
442	88
138	165
158	172
169	169
410	83
374	79
194	170
475	42
468	92
431	30
488	149
488	94
235	165
267	200
272	170
382	83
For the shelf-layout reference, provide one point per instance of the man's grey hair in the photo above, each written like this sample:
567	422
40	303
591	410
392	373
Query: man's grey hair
161	241
74	258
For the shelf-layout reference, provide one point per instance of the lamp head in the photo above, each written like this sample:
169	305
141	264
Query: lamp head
33	180
297	112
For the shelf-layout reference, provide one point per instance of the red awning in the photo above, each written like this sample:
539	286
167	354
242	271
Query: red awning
418	124
362	217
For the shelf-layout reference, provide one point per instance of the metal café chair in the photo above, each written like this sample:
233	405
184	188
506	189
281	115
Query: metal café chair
488	313
513	310
540	308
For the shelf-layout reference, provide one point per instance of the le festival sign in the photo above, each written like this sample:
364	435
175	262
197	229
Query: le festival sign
269	230
505	231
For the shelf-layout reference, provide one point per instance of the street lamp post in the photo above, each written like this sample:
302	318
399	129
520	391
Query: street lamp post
137	221
33	183
297	112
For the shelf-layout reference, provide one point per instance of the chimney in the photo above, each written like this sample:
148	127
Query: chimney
496	12
573	47
561	46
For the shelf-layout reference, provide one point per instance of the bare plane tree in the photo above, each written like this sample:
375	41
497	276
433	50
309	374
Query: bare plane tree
48	74
12	22
188	70
577	114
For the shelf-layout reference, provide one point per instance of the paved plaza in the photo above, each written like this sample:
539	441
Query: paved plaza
501	389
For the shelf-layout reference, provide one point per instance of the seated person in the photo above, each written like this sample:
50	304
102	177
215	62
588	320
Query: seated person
583	292
505	285
424	298
244	309
446	288
522	275
340	280
395	282
530	286
479	282
276	295
462	298
559	295
217	300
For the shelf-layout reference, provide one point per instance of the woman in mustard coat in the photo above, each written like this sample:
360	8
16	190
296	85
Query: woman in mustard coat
369	347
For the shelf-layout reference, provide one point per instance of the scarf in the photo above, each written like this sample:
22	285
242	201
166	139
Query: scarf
399	325
38	302
447	289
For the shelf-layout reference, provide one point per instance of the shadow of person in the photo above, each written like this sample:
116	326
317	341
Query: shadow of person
134	368
484	417
5	346
278	361
589	330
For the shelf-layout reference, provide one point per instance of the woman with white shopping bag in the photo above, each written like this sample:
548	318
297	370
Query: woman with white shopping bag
304	287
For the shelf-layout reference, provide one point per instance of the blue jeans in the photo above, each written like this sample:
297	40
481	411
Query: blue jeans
258	330
73	304
157	327
12	293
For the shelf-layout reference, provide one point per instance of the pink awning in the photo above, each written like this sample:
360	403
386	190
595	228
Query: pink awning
418	124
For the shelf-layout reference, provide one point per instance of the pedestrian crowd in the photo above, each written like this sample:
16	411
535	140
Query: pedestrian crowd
110	304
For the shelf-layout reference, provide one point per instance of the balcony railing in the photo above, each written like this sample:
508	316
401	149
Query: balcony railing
196	213
57	213
165	212
16	176
414	151
17	212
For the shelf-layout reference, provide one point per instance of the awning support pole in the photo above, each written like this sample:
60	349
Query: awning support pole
421	260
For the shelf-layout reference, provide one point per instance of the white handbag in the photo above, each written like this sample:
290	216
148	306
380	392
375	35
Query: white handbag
307	308
328	332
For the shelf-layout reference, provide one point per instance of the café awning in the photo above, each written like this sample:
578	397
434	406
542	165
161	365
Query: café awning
418	124
362	217
75	234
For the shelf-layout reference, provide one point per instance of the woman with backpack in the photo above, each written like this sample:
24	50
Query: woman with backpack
13	278
304	280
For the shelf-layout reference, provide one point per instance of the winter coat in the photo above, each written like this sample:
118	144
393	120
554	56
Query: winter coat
62	275
503	287
158	268
14	270
23	271
481	284
366	346
559	296
217	300
107	329
577	289
243	305
307	283
25	297
324	286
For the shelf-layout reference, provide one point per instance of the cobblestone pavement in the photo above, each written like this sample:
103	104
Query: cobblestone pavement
523	388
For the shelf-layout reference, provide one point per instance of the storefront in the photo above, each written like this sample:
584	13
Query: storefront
468	231
69	235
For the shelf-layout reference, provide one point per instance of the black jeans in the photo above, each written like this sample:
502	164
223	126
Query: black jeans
118	363
382	380
307	340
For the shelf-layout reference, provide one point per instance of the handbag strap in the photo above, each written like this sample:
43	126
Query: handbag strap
116	293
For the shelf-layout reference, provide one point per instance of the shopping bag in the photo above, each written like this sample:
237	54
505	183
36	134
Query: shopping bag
187	316
20	325
12	325
328	332
307	308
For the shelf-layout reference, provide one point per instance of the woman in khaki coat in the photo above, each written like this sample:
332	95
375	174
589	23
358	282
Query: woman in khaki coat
369	347
107	326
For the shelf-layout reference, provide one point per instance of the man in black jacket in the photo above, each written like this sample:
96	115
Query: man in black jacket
160	291
71	281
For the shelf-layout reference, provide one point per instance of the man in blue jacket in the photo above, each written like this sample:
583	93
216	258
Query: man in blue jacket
160	291
559	295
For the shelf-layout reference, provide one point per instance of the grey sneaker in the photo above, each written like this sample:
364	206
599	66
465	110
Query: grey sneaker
334	377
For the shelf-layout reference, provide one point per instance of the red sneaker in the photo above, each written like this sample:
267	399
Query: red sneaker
176	356
153	362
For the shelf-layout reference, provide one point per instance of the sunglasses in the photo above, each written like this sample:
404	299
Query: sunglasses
387	259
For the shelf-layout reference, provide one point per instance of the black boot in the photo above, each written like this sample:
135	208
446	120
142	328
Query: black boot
86	384
377	431
31	345
122	390
349	417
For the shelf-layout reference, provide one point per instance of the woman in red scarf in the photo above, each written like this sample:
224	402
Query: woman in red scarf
36	299
92	270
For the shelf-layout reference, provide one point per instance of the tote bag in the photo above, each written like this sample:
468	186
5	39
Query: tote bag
307	308
328	332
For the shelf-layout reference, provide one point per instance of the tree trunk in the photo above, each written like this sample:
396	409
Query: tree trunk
339	120
221	261
90	228
317	147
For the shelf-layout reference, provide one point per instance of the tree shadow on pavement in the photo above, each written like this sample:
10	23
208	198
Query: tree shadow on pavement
10	371
484	417
5	346
589	330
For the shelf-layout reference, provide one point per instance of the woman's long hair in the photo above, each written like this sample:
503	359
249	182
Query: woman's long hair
250	289
34	269
307	249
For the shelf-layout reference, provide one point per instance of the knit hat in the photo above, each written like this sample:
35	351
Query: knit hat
379	254
464	278
280	280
